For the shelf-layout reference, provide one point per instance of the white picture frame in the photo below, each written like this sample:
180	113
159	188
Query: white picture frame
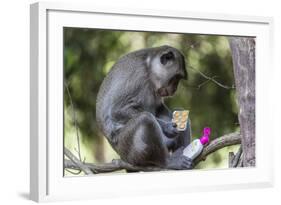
46	137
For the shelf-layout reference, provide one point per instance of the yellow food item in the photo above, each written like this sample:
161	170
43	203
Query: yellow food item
182	126
180	118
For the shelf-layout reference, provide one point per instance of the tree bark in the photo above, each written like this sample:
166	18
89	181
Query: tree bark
243	55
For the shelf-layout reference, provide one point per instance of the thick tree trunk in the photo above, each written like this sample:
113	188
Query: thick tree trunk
243	55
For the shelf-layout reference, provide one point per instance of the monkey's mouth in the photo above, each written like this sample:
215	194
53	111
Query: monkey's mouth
164	92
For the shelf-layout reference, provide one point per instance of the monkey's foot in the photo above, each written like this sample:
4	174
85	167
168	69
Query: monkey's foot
179	162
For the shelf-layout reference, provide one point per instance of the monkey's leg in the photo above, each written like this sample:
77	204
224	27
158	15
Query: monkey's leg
140	142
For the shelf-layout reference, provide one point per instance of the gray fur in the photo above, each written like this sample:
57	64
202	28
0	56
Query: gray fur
130	110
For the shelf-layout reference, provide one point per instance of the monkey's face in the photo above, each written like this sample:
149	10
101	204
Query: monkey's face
167	69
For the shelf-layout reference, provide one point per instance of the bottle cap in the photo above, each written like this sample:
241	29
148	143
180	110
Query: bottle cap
205	138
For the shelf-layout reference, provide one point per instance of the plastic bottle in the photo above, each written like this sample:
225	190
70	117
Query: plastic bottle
196	146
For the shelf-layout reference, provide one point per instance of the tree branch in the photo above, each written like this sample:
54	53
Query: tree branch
218	143
118	164
115	165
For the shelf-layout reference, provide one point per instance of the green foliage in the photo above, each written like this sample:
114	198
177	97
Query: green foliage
89	55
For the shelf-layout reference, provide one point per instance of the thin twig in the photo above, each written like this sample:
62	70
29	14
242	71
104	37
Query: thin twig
74	120
205	82
193	45
237	157
240	163
77	162
212	79
72	172
231	156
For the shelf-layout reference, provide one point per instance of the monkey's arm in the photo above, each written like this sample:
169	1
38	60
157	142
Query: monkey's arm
184	137
164	118
164	113
169	128
126	112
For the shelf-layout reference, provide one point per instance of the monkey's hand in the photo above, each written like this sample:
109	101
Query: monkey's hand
178	161
169	128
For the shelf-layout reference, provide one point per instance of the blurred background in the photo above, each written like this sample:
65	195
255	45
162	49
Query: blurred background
89	55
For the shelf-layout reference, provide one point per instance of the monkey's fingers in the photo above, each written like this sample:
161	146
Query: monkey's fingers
174	124
187	163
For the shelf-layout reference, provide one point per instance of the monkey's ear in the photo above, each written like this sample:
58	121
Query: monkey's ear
166	57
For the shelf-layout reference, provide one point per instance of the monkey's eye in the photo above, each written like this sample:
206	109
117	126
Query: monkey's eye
167	57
